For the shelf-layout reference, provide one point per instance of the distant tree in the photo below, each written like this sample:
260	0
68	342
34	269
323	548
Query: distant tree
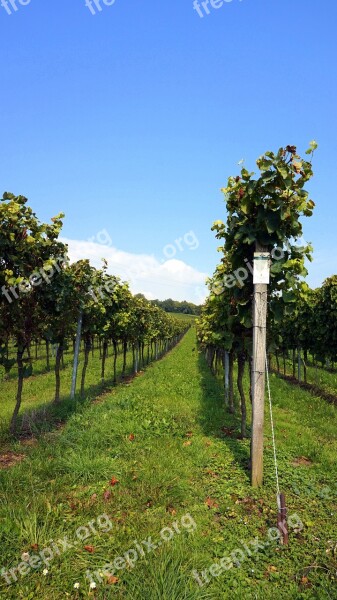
174	306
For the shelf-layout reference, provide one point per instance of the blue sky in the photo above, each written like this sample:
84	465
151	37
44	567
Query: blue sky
130	121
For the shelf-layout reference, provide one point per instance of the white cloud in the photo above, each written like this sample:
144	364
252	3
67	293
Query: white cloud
155	279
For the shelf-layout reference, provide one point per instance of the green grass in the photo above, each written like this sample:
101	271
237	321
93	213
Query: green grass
36	412
320	377
161	437
183	317
39	390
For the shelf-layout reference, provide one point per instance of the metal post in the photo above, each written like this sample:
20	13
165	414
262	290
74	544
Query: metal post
76	355
226	378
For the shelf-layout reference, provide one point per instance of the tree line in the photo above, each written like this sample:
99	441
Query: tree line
174	306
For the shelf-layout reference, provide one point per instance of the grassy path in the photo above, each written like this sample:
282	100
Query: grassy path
323	380
39	391
161	452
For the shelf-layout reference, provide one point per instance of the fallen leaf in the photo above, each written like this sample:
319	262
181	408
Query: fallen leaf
114	481
212	473
304	580
189	434
112	580
188	443
107	494
35	547
228	431
211	503
171	510
272	569
131	437
89	549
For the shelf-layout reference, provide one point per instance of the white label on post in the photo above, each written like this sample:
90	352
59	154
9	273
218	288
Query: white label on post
261	267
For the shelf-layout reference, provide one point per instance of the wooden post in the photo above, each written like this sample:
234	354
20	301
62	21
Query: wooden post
299	364
261	273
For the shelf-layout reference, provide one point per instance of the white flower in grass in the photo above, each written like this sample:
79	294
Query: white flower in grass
76	586
93	585
25	556
45	572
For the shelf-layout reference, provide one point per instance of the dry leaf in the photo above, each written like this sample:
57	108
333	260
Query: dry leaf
211	503
89	549
188	443
107	494
114	481
131	437
212	473
230	431
112	580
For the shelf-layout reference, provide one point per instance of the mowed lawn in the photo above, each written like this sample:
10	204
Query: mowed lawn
153	480
36	411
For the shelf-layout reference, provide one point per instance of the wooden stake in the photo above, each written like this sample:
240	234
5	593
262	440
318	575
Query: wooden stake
258	376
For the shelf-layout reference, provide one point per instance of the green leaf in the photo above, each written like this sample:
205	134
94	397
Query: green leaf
272	221
289	296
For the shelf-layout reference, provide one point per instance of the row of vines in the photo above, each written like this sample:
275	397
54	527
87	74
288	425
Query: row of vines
309	336
44	297
264	214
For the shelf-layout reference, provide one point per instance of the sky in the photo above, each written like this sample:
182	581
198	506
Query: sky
129	117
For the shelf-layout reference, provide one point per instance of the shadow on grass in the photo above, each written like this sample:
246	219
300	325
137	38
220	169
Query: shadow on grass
217	421
47	417
314	389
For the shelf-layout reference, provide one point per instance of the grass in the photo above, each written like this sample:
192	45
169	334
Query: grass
168	441
37	413
324	379
39	390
